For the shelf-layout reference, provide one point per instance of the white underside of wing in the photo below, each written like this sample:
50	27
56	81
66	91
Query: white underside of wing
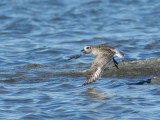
97	73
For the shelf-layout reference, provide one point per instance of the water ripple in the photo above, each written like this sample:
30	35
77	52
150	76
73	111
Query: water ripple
37	39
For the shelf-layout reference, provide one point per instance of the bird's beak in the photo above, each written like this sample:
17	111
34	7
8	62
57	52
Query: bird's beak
82	50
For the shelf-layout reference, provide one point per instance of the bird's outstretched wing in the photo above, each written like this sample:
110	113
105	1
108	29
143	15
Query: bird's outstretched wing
97	67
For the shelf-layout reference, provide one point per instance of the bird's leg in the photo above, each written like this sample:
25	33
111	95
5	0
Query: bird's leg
115	63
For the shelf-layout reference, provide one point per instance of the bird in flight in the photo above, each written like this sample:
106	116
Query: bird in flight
104	54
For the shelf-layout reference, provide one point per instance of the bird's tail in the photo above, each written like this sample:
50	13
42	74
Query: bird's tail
118	53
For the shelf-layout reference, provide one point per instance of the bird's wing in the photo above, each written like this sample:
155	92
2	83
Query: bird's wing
97	67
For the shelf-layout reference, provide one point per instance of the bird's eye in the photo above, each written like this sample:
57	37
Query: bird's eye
87	47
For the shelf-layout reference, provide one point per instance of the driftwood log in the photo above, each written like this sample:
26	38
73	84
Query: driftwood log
136	68
126	68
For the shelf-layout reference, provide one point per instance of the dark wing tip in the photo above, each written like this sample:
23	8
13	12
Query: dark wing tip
85	83
88	82
74	57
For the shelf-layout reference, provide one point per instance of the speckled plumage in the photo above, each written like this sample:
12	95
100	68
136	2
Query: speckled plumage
104	54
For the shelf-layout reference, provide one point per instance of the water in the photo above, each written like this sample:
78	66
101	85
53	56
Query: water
38	36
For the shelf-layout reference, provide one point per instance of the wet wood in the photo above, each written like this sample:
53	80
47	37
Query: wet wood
126	68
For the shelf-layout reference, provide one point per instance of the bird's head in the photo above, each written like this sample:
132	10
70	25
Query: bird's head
87	49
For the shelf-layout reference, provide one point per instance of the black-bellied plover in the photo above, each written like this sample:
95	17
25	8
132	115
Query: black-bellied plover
104	54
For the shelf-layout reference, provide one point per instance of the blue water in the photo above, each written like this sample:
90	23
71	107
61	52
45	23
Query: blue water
38	36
